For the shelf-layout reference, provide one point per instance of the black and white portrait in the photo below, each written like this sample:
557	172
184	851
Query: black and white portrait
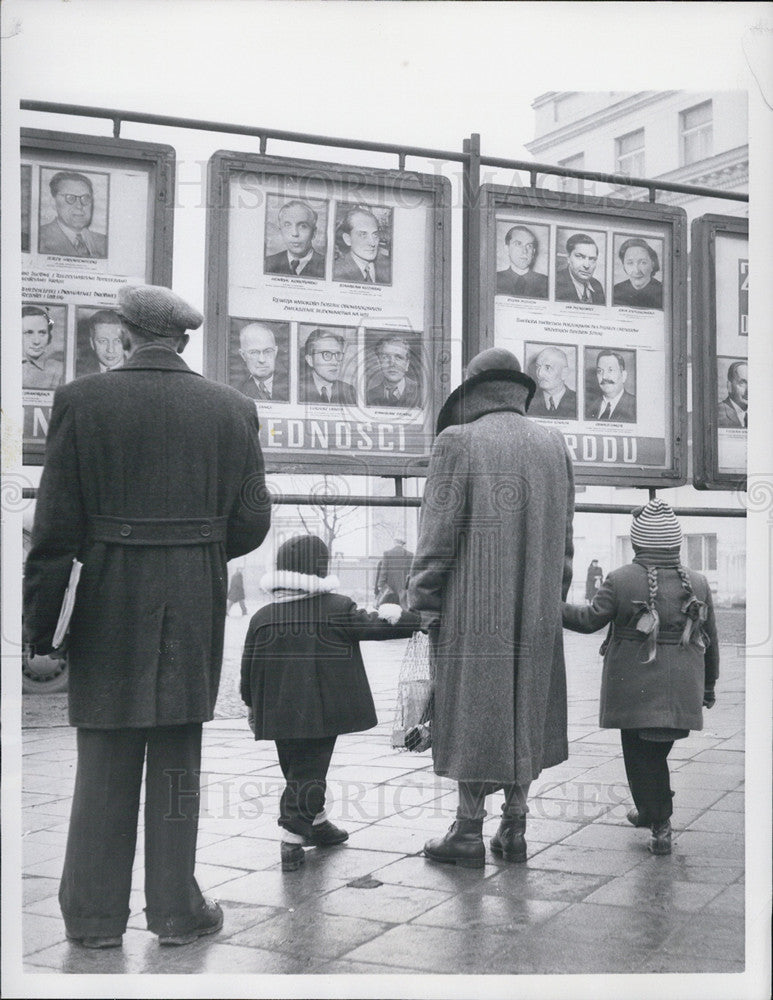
523	252
295	236
610	384
393	371
638	269
580	266
327	364
554	368
363	244
73	213
259	358
43	332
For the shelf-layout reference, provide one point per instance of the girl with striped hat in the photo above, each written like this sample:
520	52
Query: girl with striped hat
661	660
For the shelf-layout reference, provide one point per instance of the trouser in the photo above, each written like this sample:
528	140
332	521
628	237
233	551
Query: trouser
304	765
646	767
97	875
472	797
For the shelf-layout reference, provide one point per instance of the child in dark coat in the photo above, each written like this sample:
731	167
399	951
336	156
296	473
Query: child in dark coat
304	682
661	660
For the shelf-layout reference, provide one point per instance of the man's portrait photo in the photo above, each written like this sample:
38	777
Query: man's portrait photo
71	203
259	358
636	262
295	240
392	370
733	374
26	206
580	265
363	244
43	337
524	253
326	354
99	345
610	385
554	368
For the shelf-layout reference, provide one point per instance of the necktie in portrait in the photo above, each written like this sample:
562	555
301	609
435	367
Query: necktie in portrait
606	413
263	392
369	273
324	393
551	403
587	297
80	246
294	265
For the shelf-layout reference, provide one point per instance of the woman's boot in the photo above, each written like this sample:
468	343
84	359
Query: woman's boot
508	842
462	845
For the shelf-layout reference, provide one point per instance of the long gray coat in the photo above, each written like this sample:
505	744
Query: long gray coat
494	560
152	439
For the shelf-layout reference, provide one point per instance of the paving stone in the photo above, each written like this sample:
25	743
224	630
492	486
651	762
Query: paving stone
718	821
654	894
342	966
604	837
426	874
276	888
523	882
732	802
585	860
717	936
704	964
35	888
718	845
305	932
239	852
504	913
394	839
731	900
392	904
40	932
431	949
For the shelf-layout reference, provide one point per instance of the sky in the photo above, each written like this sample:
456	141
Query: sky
420	73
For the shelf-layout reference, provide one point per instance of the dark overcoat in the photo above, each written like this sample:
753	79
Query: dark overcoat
494	560
302	671
668	692
150	440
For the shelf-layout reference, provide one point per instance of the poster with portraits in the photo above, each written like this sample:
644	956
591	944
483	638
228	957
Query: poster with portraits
720	289
589	294
328	305
96	214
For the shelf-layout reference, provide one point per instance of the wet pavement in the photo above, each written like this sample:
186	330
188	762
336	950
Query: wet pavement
589	899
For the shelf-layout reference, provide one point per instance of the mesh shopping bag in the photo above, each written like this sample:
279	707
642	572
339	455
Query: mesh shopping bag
413	712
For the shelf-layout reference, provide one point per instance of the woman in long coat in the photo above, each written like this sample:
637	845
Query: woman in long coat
493	563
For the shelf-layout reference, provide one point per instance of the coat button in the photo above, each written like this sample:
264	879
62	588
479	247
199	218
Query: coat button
206	530
126	530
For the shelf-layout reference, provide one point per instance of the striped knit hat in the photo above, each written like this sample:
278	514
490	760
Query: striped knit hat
655	527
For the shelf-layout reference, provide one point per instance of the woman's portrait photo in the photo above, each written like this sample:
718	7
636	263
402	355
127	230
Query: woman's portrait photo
637	261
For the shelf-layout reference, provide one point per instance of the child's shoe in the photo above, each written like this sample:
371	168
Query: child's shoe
660	841
292	856
326	834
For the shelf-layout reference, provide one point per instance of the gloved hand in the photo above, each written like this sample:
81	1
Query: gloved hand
709	698
429	620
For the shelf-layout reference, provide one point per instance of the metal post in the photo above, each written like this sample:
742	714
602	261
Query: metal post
471	242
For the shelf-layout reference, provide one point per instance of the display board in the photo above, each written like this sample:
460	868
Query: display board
328	304
590	295
96	213
720	339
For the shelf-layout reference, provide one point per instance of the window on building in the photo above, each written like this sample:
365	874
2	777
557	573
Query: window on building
701	552
573	185
629	154
696	133
623	550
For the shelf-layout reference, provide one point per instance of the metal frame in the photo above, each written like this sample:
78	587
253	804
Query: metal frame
437	302
471	161
706	474
99	149
495	197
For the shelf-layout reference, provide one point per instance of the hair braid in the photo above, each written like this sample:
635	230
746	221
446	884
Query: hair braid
652	586
685	578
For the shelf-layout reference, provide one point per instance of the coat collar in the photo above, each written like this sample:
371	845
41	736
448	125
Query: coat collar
657	557
155	357
286	586
487	392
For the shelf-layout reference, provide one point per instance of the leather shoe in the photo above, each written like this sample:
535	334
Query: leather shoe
508	842
462	845
633	818
326	834
210	921
660	841
292	855
98	942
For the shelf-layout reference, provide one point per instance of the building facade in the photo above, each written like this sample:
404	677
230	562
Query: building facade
682	137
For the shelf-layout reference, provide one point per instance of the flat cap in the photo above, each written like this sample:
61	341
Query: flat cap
157	310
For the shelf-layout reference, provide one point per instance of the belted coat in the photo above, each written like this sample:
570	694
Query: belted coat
155	452
493	561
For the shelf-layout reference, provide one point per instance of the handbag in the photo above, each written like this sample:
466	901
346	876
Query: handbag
411	729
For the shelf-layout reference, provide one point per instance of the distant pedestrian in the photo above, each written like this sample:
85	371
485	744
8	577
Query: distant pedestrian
304	682
593	580
392	573
236	593
153	478
661	660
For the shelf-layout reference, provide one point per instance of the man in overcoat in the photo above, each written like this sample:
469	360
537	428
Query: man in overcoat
153	479
392	571
493	561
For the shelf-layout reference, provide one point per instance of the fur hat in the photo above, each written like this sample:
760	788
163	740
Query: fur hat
655	527
305	554
493	359
157	310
